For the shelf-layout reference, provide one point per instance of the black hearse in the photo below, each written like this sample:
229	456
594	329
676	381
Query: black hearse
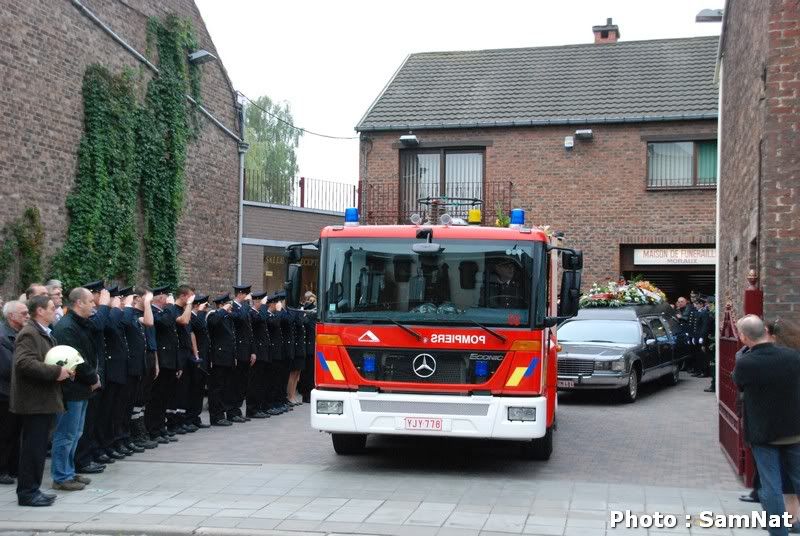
621	347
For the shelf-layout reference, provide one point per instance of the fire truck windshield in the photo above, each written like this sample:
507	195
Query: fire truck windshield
495	283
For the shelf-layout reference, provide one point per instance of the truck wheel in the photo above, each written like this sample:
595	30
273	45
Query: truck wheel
539	448
348	444
630	392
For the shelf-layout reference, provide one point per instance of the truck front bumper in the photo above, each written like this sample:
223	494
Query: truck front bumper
461	416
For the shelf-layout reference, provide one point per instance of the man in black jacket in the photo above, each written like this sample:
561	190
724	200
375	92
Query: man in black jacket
74	330
257	388
769	377
129	419
16	316
201	344
221	388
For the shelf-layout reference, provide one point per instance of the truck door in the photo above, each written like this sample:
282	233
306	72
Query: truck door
665	344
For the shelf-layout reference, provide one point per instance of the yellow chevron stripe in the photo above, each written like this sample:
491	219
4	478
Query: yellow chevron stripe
335	371
516	377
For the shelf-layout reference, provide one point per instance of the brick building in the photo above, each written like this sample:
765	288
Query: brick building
45	48
613	143
759	220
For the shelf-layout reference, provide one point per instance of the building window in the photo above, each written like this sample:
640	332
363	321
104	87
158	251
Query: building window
438	173
682	164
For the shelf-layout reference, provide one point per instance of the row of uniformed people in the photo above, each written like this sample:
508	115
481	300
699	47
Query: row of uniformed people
157	355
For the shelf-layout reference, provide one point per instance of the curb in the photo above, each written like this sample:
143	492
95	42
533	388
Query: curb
89	528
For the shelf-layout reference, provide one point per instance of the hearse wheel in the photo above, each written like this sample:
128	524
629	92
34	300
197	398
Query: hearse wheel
348	444
631	391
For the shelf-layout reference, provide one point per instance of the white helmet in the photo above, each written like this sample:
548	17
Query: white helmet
63	356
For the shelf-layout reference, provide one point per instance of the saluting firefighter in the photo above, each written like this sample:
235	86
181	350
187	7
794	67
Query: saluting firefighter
257	388
175	406
277	358
242	314
201	344
221	361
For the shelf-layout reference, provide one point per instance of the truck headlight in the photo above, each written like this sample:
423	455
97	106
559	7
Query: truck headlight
521	414
330	407
618	365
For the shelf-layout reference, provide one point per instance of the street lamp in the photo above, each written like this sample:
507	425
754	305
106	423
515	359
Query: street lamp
709	15
201	56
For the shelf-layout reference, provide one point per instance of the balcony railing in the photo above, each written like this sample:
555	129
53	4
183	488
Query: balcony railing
385	202
301	192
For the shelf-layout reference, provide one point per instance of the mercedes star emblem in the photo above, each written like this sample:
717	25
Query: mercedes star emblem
424	365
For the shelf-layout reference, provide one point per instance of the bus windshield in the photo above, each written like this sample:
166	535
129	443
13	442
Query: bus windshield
491	282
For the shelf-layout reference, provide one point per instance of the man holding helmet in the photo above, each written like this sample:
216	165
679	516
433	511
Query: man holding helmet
35	396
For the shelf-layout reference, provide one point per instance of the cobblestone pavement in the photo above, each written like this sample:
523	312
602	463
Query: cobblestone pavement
279	476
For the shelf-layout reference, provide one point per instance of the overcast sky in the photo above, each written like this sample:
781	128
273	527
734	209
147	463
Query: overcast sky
330	60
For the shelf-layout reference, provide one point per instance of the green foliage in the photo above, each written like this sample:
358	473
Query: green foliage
502	219
126	150
271	158
23	238
101	238
166	123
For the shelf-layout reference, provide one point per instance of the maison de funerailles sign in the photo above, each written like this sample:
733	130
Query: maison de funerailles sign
666	256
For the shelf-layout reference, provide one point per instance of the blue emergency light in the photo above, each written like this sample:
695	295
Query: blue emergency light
351	216
481	369
369	364
517	217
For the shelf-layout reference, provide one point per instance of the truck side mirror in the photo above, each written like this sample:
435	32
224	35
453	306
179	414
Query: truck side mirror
293	254
572	260
570	293
294	278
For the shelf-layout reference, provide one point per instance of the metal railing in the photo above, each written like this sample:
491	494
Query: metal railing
661	183
301	192
390	202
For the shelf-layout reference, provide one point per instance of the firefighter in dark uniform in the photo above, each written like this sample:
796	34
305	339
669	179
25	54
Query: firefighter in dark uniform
242	314
138	318
257	388
176	412
505	290
299	361
310	326
111	400
221	360
86	453
201	344
276	357
165	384
701	327
288	348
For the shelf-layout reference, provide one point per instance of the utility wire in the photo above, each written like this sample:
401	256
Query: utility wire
306	131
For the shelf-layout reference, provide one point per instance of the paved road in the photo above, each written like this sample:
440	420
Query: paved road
658	454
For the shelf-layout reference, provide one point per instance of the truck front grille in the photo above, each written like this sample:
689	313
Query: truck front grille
424	408
575	367
451	366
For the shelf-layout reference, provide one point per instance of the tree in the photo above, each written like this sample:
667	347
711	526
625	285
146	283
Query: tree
271	160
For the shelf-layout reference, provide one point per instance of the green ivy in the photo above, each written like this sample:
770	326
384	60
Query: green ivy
23	238
166	123
101	238
129	150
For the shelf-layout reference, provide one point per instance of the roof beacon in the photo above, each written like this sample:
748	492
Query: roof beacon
517	218
350	217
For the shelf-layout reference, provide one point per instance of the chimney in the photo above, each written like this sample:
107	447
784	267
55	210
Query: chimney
609	33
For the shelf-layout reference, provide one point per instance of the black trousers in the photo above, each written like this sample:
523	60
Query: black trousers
33	451
279	381
87	444
238	392
177	401
306	383
10	428
155	412
196	377
257	388
219	387
146	384
110	402
121	417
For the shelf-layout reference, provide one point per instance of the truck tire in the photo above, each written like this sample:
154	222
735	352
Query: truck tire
539	448
349	444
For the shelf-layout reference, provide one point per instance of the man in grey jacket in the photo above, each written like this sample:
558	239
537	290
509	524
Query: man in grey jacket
16	315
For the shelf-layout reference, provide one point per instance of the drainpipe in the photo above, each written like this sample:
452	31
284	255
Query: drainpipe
719	265
243	146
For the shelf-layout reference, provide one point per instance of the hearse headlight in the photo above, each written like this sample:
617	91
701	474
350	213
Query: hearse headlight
602	365
618	365
330	407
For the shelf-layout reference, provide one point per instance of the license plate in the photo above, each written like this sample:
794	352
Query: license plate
423	423
566	383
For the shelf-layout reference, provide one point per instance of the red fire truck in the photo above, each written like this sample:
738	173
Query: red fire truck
443	329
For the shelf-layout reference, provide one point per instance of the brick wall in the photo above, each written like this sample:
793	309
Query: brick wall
44	50
596	193
759	214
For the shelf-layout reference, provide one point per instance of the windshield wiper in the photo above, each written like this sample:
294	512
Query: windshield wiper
405	328
489	330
